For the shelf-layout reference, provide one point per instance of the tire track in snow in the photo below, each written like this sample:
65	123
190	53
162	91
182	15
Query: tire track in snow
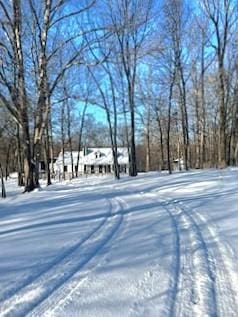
29	296
192	280
196	293
67	251
193	291
226	277
176	260
65	293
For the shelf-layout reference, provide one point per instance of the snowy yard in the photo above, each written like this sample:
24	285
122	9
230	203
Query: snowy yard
154	245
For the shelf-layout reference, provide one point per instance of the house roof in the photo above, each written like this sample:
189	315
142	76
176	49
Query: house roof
95	156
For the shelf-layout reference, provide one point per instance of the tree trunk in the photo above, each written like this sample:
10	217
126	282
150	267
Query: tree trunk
29	166
203	110
47	156
51	145
22	98
198	133
70	138
80	136
169	124
222	114
147	137
7	161
182	88
19	159
62	140
2	182
161	140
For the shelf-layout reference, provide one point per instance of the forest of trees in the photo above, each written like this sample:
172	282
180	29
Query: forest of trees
159	77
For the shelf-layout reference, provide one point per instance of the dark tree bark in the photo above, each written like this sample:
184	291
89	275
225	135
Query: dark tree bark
80	136
169	122
19	159
63	138
2	182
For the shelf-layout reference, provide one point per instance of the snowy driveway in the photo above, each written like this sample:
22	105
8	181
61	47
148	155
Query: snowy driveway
155	245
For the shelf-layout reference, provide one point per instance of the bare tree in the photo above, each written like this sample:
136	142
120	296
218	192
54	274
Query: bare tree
222	16
112	121
130	23
16	100
20	96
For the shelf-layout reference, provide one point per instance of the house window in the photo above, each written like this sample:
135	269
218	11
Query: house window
65	168
97	155
92	169
100	168
109	168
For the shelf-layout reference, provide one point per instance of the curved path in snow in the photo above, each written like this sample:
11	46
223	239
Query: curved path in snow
204	279
195	276
209	267
94	245
33	292
195	279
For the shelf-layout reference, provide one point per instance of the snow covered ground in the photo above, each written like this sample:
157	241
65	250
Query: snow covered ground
154	245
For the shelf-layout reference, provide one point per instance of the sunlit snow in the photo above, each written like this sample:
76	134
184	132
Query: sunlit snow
154	245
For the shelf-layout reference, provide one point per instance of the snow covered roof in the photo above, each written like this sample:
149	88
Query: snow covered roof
95	156
67	157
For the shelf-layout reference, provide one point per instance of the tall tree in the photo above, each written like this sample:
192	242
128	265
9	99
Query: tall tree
130	22
222	15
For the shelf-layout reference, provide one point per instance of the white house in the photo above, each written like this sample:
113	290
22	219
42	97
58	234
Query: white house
178	164
92	161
